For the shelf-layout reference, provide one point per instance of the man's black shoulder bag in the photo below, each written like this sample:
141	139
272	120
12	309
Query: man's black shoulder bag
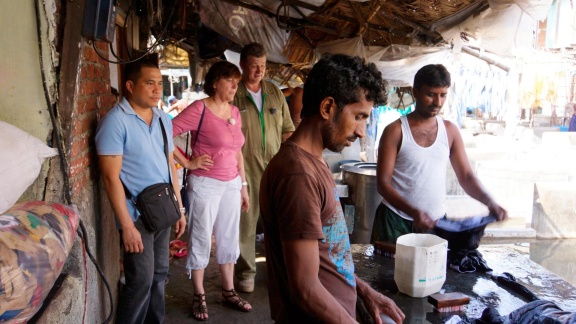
157	204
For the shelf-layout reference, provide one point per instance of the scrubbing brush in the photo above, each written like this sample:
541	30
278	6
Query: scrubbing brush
449	302
384	248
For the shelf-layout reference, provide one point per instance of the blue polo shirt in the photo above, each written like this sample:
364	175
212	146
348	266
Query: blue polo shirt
123	132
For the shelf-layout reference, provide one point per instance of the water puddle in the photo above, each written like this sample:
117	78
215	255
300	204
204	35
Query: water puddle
558	256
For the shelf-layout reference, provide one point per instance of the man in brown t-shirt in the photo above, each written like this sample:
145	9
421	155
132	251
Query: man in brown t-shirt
310	268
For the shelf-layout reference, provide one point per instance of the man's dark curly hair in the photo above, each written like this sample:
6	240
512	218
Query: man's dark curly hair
220	70
343	78
432	75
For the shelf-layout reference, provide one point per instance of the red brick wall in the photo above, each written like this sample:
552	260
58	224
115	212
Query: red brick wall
94	99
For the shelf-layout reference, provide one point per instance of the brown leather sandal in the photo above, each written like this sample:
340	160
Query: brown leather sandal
199	307
231	298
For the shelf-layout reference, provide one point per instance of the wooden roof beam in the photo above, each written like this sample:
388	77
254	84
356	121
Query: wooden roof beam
461	15
327	13
488	60
408	23
376	7
359	16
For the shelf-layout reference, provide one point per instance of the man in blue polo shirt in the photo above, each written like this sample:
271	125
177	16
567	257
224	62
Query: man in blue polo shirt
130	148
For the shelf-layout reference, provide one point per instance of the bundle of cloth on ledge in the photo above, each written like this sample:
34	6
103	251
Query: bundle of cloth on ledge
35	241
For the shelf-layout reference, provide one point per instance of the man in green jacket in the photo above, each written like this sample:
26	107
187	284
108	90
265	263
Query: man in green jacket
266	123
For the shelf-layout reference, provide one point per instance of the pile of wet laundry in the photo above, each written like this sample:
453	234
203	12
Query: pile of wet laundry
463	238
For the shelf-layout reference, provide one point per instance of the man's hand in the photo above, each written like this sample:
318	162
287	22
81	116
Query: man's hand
244	199
377	304
384	305
497	210
423	222
132	240
180	226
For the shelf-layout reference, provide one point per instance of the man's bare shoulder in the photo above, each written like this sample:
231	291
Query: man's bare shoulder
392	132
394	126
450	126
452	131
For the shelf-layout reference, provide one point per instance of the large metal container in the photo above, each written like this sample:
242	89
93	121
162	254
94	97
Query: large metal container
363	195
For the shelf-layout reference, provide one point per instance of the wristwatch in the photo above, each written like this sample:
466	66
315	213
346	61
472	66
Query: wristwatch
182	210
245	183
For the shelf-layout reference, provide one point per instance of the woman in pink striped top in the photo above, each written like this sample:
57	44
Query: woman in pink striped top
216	185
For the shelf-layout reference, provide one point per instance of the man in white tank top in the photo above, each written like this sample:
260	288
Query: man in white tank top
412	158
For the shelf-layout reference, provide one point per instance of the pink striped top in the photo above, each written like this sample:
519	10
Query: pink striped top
218	138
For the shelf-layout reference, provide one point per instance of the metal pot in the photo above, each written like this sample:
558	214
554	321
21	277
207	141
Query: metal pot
363	196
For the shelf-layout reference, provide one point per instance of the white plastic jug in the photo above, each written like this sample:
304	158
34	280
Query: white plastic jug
420	264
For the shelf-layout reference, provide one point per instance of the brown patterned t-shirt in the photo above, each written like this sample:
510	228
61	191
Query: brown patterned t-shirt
298	200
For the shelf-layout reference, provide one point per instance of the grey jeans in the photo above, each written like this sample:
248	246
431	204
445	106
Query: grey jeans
142	298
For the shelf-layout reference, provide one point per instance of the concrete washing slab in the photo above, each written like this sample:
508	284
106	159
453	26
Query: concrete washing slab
378	271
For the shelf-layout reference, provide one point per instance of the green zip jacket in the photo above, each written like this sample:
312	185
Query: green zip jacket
262	131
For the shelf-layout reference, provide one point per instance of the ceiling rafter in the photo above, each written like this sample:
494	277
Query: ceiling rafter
378	22
375	6
406	22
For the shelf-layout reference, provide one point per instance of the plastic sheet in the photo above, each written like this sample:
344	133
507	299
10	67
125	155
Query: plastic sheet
21	158
243	26
35	240
506	28
399	63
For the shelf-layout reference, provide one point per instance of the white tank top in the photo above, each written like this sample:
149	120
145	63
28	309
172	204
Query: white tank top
420	172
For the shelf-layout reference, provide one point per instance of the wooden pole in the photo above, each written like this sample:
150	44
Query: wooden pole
472	52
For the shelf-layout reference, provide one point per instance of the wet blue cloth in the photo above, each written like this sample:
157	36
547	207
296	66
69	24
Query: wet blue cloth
539	311
462	234
509	281
467	261
457	226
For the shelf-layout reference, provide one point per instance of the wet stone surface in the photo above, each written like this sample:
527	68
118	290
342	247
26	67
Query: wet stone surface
378	271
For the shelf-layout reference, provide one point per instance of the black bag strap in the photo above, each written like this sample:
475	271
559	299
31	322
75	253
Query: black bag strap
195	140
165	139
184	170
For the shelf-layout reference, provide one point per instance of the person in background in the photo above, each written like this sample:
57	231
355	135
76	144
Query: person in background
130	149
217	187
412	158
294	99
161	105
171	100
174	106
266	123
572	126
310	268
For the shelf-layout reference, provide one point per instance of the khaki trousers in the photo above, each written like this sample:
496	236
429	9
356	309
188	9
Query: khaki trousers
246	264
